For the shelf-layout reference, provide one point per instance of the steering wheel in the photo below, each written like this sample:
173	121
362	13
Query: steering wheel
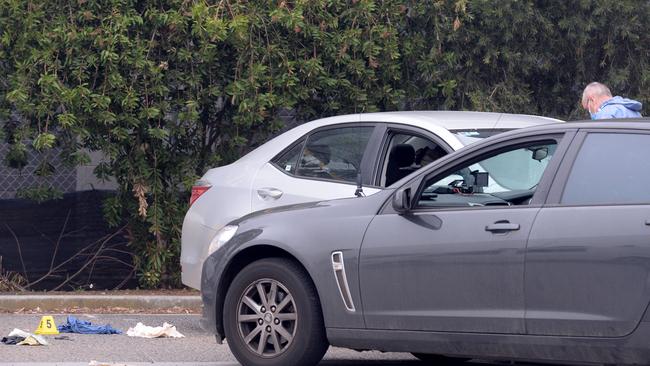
458	187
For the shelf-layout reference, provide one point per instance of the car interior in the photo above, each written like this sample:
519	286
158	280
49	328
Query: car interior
407	153
401	162
334	154
508	178
314	161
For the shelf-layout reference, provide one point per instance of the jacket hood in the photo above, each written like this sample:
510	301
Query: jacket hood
627	103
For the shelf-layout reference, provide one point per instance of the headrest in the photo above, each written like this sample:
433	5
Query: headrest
320	151
403	155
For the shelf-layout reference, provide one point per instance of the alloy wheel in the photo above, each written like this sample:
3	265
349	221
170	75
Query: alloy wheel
267	318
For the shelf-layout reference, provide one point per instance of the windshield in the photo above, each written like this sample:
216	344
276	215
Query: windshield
516	169
471	136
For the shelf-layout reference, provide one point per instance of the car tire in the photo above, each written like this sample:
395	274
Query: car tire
282	328
433	359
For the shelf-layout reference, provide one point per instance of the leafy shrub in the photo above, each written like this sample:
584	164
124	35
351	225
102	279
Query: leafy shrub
168	88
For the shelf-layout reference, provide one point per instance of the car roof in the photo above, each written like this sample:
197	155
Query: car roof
604	125
616	124
626	123
450	120
437	122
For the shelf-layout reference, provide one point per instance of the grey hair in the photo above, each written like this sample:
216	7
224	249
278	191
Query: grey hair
595	89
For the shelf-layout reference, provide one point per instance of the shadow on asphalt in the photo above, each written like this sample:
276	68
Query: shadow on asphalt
418	362
371	362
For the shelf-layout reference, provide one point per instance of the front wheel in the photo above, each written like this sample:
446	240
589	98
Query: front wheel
272	316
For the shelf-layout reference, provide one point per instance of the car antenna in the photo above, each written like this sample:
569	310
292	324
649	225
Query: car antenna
359	191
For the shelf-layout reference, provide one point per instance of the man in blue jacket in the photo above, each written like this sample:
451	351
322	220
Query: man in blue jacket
598	101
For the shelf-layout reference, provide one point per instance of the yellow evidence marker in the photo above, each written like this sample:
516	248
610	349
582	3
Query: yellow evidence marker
47	326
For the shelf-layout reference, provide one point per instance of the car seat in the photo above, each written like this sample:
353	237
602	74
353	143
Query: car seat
400	161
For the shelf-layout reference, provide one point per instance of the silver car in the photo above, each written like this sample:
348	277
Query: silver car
530	245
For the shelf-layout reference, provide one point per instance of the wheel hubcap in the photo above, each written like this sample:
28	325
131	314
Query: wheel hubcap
267	334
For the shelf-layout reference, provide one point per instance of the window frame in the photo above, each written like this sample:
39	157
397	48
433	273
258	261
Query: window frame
392	129
305	138
562	137
561	180
300	141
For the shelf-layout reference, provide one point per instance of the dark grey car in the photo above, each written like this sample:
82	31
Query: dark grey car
530	245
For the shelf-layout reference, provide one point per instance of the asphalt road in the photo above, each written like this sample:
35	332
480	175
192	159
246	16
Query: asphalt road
198	348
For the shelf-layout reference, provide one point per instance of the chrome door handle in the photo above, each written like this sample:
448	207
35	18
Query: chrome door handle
269	192
501	227
647	222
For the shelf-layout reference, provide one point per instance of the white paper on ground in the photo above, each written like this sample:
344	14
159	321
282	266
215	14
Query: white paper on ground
21	333
144	331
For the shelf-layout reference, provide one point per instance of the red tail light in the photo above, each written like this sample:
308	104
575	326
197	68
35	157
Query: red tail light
198	189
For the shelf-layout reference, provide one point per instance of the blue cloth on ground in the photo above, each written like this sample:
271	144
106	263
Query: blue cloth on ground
75	325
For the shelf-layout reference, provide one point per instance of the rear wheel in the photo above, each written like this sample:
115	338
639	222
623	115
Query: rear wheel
272	316
432	359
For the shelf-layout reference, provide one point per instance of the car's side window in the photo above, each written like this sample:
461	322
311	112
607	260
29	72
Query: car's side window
405	154
288	161
610	168
505	178
334	153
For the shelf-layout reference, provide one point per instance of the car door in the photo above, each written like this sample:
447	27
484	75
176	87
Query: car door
455	261
321	166
588	256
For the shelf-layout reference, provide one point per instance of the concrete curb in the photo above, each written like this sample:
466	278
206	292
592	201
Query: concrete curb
219	363
53	302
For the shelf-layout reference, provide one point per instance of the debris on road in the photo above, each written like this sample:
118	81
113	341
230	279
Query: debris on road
75	325
32	341
95	363
9	341
28	339
144	331
107	310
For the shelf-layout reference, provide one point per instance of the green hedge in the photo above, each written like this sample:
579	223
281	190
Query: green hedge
168	88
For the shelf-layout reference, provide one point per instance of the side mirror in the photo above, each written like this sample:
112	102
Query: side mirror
402	200
540	154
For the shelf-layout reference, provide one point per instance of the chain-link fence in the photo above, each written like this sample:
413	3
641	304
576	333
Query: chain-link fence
63	178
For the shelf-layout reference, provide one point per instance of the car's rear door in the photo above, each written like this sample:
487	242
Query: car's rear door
588	255
320	166
456	262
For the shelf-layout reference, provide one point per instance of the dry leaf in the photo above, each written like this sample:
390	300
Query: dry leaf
456	24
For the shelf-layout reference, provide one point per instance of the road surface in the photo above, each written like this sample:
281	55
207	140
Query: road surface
197	348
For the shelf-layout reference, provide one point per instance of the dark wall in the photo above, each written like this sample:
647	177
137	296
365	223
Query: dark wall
38	228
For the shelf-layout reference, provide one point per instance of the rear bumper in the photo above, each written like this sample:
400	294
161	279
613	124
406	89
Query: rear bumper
195	240
191	274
